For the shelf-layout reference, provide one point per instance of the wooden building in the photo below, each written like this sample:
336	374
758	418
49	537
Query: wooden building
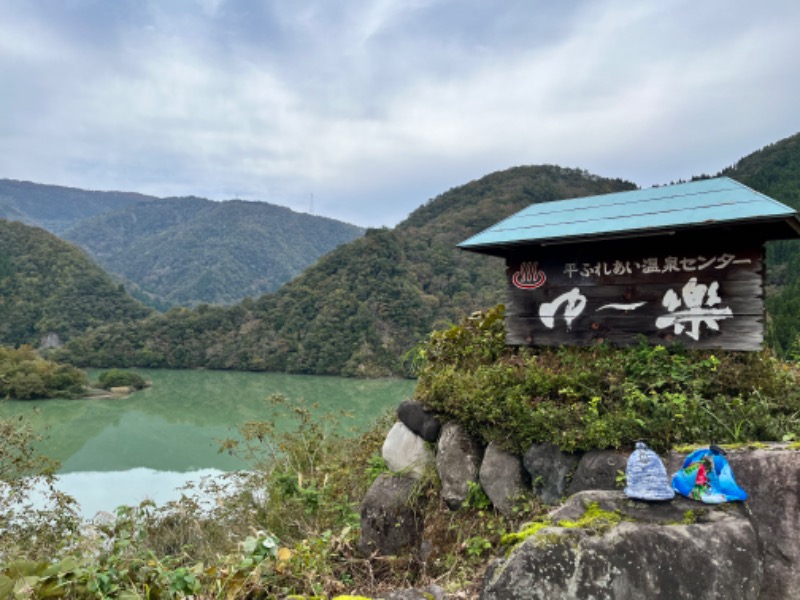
681	263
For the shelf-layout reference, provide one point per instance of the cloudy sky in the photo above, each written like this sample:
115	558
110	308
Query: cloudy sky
363	110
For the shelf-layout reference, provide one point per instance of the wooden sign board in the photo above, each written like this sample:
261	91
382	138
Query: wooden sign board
702	295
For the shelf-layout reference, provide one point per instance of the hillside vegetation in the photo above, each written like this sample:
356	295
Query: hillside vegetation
360	308
188	251
24	375
180	251
48	286
57	208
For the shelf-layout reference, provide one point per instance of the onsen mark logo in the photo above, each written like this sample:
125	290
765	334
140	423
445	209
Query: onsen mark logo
529	277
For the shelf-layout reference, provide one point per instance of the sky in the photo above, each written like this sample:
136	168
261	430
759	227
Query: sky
363	110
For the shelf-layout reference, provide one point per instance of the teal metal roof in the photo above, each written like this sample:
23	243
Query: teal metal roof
698	203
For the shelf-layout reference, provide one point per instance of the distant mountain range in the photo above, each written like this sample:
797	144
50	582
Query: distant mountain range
180	251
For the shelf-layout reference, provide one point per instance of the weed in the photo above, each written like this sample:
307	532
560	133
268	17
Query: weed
476	497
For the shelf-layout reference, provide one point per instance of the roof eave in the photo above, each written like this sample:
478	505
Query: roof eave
789	230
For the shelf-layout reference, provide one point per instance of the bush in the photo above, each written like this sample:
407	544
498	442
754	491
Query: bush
602	397
24	375
120	378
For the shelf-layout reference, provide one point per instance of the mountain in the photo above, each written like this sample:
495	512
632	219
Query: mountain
48	286
188	251
57	208
180	251
359	309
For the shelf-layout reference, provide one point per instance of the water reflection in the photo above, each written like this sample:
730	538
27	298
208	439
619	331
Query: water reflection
151	442
175	424
105	491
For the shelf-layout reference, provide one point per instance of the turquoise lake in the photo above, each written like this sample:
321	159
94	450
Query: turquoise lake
148	444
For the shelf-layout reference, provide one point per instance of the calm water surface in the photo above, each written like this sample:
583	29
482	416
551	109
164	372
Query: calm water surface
121	451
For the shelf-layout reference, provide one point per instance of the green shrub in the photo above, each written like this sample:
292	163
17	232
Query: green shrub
602	397
24	375
121	378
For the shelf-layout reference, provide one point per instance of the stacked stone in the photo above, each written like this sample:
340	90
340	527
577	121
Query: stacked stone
751	550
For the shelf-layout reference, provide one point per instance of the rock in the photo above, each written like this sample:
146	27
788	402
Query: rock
51	340
549	469
771	477
121	390
432	592
458	460
390	523
664	513
419	419
406	452
503	478
597	470
652	558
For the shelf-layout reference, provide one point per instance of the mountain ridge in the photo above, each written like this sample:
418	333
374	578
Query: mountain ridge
180	251
51	289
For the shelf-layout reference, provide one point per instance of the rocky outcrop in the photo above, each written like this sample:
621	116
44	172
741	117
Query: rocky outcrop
649	554
771	477
737	550
458	461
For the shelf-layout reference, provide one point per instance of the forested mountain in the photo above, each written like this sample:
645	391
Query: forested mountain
775	171
180	251
360	308
188	251
57	208
48	286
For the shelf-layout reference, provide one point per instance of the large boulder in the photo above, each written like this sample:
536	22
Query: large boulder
390	521
550	470
503	478
598	470
405	452
649	554
771	477
419	419
458	460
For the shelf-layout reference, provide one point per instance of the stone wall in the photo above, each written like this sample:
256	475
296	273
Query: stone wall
749	550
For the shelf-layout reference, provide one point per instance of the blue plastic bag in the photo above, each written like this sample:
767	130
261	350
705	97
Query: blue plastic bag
707	477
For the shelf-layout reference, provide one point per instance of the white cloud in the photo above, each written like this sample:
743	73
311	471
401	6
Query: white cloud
375	107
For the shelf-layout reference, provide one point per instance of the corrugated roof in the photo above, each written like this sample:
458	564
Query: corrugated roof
708	201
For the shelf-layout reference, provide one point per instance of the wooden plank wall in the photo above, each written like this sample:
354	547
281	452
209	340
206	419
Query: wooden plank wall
702	293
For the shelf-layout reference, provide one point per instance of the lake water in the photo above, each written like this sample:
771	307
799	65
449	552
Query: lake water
148	444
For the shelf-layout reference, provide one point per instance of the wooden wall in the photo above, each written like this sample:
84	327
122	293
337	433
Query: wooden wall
705	292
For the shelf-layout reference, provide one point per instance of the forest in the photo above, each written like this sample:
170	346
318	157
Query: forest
180	251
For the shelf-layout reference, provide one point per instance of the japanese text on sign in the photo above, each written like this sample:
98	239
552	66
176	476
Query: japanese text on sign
653	265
